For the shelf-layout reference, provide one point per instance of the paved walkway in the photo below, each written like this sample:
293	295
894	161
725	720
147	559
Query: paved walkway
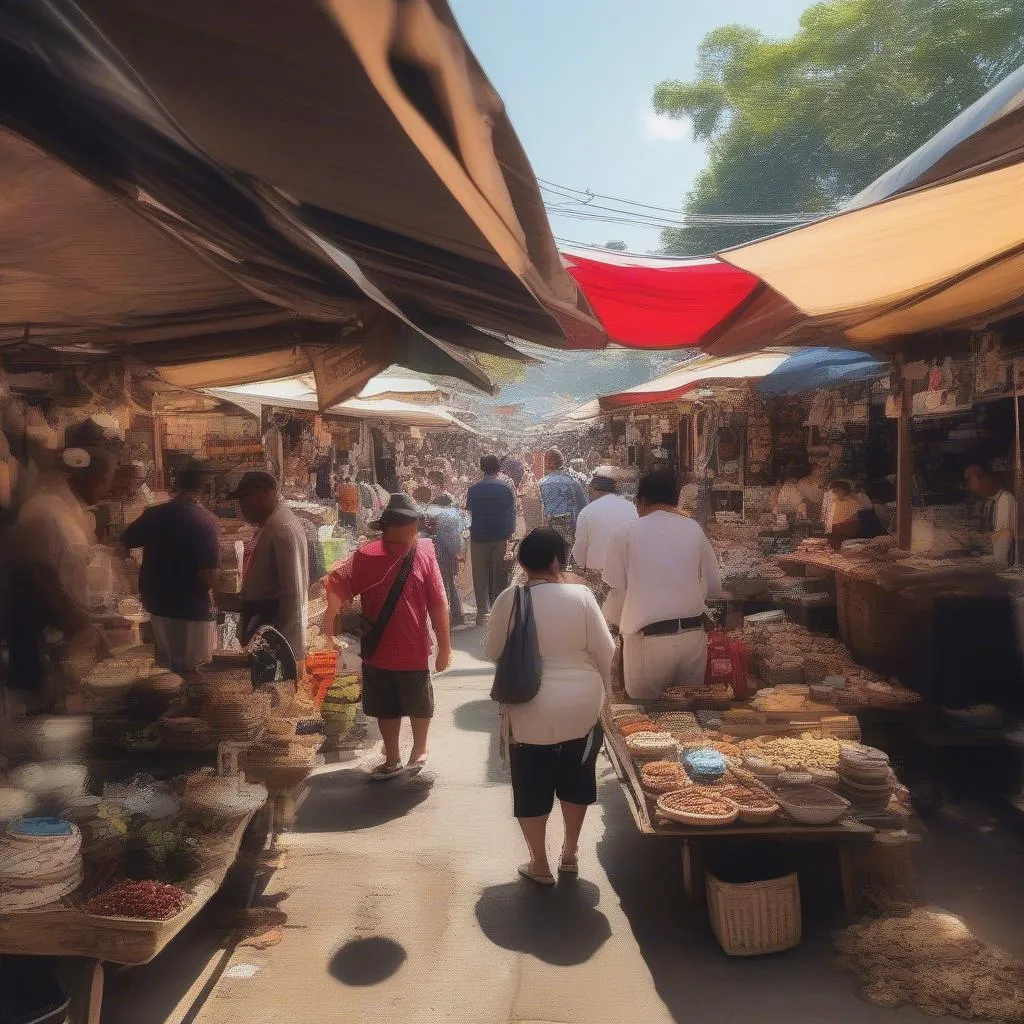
403	905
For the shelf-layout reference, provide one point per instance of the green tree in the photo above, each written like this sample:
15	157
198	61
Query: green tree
802	124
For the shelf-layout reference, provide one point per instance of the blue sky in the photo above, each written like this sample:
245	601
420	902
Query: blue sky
577	75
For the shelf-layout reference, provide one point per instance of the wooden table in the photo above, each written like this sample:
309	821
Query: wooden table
843	833
66	930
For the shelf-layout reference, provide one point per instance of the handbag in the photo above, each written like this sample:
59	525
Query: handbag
517	676
370	640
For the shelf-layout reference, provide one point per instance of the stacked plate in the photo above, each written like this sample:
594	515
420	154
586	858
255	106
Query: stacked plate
40	863
865	777
652	745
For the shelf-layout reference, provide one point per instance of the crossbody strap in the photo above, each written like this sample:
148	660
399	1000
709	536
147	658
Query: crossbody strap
372	639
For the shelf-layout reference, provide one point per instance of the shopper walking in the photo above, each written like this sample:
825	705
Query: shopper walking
492	504
449	547
349	503
402	594
275	577
595	525
661	570
555	738
562	495
180	543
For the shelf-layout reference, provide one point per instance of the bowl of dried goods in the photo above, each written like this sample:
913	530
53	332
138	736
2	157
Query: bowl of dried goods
694	806
651	745
660	777
812	805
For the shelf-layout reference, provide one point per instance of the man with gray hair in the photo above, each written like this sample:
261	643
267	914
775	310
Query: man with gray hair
562	496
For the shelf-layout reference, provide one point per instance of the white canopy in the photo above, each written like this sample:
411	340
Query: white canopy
691	375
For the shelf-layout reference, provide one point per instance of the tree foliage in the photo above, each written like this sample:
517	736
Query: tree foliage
802	124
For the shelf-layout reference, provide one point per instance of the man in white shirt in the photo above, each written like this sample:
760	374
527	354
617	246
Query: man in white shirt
1001	512
275	579
597	522
661	570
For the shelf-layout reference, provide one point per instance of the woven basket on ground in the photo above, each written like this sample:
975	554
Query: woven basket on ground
752	918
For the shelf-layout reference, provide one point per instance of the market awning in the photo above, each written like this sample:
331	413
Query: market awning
655	303
814	368
299	392
704	370
234	161
937	243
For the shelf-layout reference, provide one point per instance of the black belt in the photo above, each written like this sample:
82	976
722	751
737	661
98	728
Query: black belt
668	627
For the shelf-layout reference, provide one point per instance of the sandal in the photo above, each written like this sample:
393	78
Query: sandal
415	767
569	867
385	771
526	871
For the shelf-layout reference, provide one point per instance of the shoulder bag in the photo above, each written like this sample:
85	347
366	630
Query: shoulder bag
370	640
517	676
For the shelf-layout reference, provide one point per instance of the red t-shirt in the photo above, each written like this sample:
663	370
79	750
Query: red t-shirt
369	573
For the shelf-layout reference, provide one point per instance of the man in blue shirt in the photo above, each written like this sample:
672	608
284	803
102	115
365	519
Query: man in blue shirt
562	495
180	543
492	504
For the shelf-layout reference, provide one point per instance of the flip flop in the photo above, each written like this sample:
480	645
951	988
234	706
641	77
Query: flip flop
569	867
384	771
415	767
545	880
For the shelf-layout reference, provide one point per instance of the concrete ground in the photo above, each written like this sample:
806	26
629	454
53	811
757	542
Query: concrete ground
403	905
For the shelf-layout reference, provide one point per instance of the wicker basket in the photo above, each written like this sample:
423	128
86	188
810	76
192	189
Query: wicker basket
751	918
668	809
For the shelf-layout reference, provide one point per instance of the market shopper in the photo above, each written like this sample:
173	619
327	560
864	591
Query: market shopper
492	504
555	737
275	575
450	549
562	496
660	571
606	512
46	556
1000	516
180	543
349	505
396	672
854	515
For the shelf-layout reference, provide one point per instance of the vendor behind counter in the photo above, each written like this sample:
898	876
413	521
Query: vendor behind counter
1000	511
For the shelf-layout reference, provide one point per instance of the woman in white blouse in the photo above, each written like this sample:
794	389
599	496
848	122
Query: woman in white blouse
555	738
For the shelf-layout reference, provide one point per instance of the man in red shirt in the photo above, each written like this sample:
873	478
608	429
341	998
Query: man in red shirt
396	676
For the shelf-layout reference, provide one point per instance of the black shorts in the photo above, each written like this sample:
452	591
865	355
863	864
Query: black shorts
540	772
390	694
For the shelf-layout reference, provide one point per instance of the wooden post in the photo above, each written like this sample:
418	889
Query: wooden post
904	470
160	477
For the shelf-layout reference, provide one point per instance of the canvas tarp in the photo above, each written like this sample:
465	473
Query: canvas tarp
191	168
935	244
694	374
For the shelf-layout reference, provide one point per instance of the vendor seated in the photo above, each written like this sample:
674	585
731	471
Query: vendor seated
853	515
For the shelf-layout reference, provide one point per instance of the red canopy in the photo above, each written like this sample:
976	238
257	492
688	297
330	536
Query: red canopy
651	302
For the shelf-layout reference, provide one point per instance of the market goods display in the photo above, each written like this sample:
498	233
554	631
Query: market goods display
812	805
221	798
15	803
692	806
59	783
704	764
40	862
152	695
182	732
692	696
660	777
108	684
930	959
651	744
146	900
160	851
865	778
785	653
792	753
642	724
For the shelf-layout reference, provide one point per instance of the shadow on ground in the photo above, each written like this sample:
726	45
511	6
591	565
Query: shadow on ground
560	925
482	716
367	961
347	801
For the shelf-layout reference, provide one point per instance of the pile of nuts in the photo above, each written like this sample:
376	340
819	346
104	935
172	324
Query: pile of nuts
151	901
791	753
698	800
663	776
